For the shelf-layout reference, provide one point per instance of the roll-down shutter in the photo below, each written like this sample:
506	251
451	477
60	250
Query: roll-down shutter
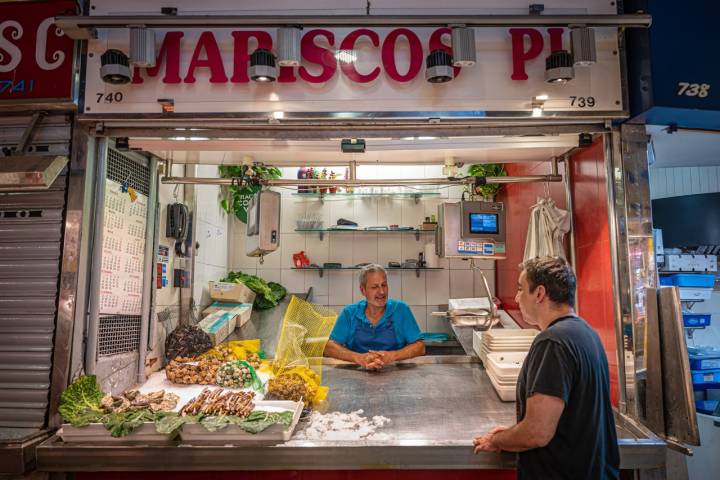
31	230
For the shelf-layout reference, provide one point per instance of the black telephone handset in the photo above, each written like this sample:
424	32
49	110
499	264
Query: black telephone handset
177	221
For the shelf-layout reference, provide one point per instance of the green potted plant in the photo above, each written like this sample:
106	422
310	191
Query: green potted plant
488	191
236	198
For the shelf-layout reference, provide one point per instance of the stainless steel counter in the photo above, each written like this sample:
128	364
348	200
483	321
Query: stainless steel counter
436	405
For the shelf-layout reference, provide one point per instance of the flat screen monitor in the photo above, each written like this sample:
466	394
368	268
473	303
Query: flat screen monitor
484	223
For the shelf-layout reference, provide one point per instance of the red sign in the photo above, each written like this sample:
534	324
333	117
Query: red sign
207	55
36	58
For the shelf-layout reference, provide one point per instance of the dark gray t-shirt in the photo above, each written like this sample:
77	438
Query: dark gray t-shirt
568	361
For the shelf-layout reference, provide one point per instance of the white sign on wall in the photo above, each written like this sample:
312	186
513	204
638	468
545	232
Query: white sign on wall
354	70
121	275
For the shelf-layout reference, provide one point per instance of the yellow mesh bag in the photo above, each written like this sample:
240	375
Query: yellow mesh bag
304	334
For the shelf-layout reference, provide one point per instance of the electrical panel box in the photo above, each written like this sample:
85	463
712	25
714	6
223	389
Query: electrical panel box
471	230
263	223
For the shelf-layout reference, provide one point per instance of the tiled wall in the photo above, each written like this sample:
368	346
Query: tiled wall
425	294
211	233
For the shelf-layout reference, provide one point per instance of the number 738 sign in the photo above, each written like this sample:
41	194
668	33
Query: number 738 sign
688	89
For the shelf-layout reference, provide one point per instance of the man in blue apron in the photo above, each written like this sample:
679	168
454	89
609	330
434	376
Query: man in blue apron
376	331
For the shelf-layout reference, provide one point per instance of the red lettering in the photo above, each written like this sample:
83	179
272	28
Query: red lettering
519	55
436	43
555	39
287	75
170	52
348	45
318	55
241	52
213	61
388	55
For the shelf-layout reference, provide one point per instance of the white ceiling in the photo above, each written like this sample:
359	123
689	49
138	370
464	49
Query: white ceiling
684	148
422	150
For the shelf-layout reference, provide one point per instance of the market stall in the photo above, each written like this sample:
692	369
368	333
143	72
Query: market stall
326	170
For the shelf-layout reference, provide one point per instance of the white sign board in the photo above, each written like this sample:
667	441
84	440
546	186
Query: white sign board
121	277
354	70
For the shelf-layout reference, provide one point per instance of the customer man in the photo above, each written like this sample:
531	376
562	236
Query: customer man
565	423
376	331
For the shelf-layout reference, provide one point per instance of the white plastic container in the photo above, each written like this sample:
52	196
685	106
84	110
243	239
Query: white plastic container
506	363
695	293
506	393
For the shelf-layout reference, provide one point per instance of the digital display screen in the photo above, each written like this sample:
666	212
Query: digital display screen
484	223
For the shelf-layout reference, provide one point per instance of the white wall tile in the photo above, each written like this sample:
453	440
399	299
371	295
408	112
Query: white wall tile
458	264
365	212
320	299
395	284
420	314
389	211
437	283
413	288
340	209
411	247
340	248
318	284
274	275
340	287
272	260
289	244
478	287
438	324
389	248
239	259
293	281
413	213
461	284
317	251
365	248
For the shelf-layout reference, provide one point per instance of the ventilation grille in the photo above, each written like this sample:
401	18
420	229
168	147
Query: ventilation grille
118	334
122	168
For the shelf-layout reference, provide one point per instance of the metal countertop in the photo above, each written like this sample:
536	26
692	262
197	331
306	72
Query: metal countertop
436	405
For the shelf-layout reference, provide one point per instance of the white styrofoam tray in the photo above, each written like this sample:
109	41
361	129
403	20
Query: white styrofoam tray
506	393
506	363
196	434
95	433
506	333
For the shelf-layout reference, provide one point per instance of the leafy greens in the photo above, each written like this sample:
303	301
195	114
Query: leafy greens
268	294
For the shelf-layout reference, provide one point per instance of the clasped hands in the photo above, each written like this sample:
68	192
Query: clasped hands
375	359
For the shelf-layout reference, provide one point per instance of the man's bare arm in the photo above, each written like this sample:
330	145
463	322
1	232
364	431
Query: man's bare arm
536	429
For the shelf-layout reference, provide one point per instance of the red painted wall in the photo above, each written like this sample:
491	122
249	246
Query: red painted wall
592	241
592	250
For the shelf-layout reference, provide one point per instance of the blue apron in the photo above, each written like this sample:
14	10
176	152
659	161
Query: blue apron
381	337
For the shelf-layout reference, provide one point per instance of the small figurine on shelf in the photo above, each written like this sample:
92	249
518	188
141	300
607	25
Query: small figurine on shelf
323	176
334	188
310	174
301	175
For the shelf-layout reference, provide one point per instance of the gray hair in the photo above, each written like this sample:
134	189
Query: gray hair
368	269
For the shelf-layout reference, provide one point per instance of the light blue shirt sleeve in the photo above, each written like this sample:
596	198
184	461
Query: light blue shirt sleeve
341	332
407	327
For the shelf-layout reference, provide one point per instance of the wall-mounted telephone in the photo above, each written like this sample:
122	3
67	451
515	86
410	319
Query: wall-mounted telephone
177	221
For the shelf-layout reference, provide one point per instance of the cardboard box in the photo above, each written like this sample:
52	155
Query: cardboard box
233	307
218	326
231	292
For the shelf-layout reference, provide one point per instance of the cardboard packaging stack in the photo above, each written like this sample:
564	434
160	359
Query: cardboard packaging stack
231	309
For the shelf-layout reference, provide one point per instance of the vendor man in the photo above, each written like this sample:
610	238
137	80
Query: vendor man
376	331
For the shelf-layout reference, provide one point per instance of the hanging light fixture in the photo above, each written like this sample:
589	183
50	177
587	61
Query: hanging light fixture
439	67
262	66
115	67
142	47
463	46
584	50
288	46
559	67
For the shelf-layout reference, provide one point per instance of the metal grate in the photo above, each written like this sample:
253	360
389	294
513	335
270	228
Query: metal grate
122	168
118	334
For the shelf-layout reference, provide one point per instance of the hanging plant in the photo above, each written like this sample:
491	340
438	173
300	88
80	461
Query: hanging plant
487	170
234	198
